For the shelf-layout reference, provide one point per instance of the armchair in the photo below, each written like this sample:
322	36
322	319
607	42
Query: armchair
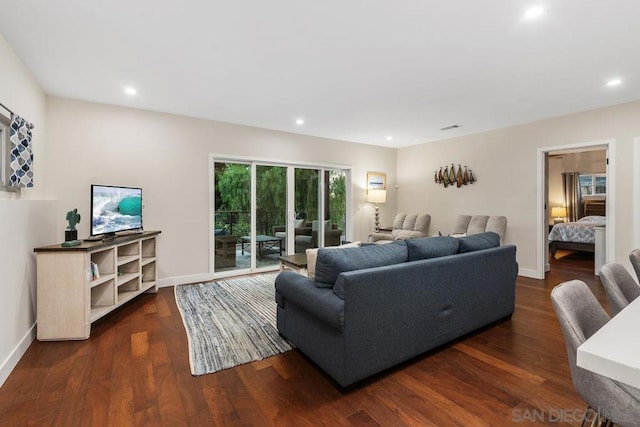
306	235
405	226
473	224
331	237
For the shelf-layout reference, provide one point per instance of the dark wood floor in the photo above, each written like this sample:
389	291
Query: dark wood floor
134	370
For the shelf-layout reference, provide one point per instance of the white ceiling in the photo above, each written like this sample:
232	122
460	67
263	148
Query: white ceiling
355	70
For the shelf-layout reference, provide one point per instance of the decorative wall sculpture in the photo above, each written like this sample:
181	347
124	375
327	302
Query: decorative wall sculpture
450	177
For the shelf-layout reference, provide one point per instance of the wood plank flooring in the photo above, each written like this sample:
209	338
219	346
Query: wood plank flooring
134	370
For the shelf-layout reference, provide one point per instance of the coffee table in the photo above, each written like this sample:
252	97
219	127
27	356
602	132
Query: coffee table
295	262
266	244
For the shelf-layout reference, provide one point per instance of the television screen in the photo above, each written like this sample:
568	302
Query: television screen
115	209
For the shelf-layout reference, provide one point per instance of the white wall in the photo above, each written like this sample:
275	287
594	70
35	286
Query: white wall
505	164
167	156
25	222
24	225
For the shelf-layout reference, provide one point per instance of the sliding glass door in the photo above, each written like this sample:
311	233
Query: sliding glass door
271	212
232	214
306	203
264	210
335	207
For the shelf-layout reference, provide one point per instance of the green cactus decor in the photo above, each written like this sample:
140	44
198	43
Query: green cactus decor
73	217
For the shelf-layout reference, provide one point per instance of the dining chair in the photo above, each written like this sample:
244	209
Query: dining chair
580	316
620	286
634	257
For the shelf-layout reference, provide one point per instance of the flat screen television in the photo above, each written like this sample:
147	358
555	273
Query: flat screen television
115	209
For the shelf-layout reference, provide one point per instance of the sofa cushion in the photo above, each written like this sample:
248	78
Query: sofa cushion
327	225
409	222
477	224
479	241
461	224
332	262
312	256
398	221
431	247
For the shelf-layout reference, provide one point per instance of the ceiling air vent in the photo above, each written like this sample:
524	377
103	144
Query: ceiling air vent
451	127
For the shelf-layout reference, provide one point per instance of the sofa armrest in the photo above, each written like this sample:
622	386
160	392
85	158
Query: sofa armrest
373	237
331	237
321	303
406	234
278	228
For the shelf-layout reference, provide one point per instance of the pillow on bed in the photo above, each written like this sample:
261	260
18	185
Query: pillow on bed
593	218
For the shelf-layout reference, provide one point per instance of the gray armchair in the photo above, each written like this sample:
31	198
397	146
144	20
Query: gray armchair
475	224
405	226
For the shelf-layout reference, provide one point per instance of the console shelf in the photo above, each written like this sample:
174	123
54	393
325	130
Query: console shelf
72	294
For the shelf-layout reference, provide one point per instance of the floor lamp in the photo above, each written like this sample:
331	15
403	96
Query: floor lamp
377	197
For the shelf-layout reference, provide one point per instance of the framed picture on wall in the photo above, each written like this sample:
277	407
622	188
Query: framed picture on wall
376	181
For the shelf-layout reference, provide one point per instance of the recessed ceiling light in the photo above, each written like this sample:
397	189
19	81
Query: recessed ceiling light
534	12
389	138
130	90
299	122
614	82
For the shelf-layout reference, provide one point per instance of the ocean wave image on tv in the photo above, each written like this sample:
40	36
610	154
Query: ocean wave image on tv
116	209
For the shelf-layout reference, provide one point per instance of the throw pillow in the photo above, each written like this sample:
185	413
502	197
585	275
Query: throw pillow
479	241
431	247
312	256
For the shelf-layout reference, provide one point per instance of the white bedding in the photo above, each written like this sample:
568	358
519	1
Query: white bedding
581	231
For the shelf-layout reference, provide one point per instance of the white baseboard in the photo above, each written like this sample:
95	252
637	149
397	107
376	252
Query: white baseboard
181	280
14	357
527	272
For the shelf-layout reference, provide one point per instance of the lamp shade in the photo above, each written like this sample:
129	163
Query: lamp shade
377	196
558	212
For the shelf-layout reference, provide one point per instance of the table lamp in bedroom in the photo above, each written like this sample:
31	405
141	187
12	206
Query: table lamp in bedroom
559	213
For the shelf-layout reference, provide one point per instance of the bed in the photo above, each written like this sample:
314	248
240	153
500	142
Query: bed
576	236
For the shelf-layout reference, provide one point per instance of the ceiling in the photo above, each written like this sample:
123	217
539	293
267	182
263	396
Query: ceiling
354	70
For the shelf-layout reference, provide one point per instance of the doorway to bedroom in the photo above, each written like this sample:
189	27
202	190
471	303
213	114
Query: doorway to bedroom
576	202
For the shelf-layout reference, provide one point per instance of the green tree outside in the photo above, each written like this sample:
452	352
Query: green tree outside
233	196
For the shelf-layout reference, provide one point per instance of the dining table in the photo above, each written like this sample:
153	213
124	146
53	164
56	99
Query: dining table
614	350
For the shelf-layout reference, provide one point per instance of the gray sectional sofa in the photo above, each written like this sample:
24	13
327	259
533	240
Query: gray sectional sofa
373	307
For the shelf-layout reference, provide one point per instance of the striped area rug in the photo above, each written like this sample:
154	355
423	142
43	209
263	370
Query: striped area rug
230	322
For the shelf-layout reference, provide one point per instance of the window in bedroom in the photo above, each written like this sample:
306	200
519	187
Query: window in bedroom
593	185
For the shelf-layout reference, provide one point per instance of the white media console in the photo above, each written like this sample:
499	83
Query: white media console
71	294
